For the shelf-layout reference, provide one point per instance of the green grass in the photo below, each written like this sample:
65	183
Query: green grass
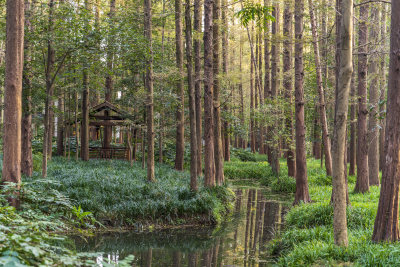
308	238
119	195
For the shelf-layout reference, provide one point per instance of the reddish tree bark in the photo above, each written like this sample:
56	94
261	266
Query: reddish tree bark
301	194
14	59
386	226
209	164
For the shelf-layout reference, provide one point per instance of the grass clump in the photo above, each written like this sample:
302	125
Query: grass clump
284	184
119	195
247	170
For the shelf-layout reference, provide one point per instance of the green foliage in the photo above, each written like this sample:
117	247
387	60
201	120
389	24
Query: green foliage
284	184
118	194
247	170
254	12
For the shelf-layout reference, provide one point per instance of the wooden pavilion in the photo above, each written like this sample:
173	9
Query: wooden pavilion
102	118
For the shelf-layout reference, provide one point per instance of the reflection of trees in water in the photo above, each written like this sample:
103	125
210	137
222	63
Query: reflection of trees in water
239	243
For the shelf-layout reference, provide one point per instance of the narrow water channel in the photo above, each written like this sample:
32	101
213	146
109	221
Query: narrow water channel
240	242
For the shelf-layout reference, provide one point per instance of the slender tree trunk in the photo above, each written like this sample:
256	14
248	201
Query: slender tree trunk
218	150
60	124
302	194
339	134
180	127
353	127
241	94
192	100
76	127
287	84
14	60
209	163
85	117
197	82
267	79
252	126
373	130
109	77
386	226
149	87
321	94
49	92
26	129
362	183
275	51
226	136
382	97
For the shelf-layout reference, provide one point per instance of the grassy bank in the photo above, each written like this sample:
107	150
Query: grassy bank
308	236
119	195
81	197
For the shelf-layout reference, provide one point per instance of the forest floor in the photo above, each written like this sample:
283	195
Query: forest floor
84	197
307	239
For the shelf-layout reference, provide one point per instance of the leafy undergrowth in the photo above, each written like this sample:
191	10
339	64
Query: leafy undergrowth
119	195
28	235
308	238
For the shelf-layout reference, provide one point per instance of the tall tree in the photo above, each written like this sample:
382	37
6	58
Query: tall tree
267	77
362	183
218	149
225	71
14	60
209	164
192	101
275	60
197	81
49	91
85	101
149	87
321	94
26	134
339	133
373	131
386	226
109	76
287	84
302	194
382	85
180	89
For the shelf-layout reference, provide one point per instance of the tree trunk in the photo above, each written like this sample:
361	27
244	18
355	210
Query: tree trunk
301	194
287	84
224	31
218	150
109	77
252	126
341	109
373	130
149	87
362	183
321	94
49	92
241	94
197	82
386	226
180	127
209	164
76	127
192	101
14	60
274	91
353	127
60	124
267	79
26	130
85	117
382	97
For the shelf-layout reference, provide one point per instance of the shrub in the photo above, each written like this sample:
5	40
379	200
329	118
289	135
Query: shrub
284	184
247	170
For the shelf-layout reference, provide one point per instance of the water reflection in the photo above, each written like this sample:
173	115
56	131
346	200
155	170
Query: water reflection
240	242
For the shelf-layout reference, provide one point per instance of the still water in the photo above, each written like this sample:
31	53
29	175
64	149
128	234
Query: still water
240	242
